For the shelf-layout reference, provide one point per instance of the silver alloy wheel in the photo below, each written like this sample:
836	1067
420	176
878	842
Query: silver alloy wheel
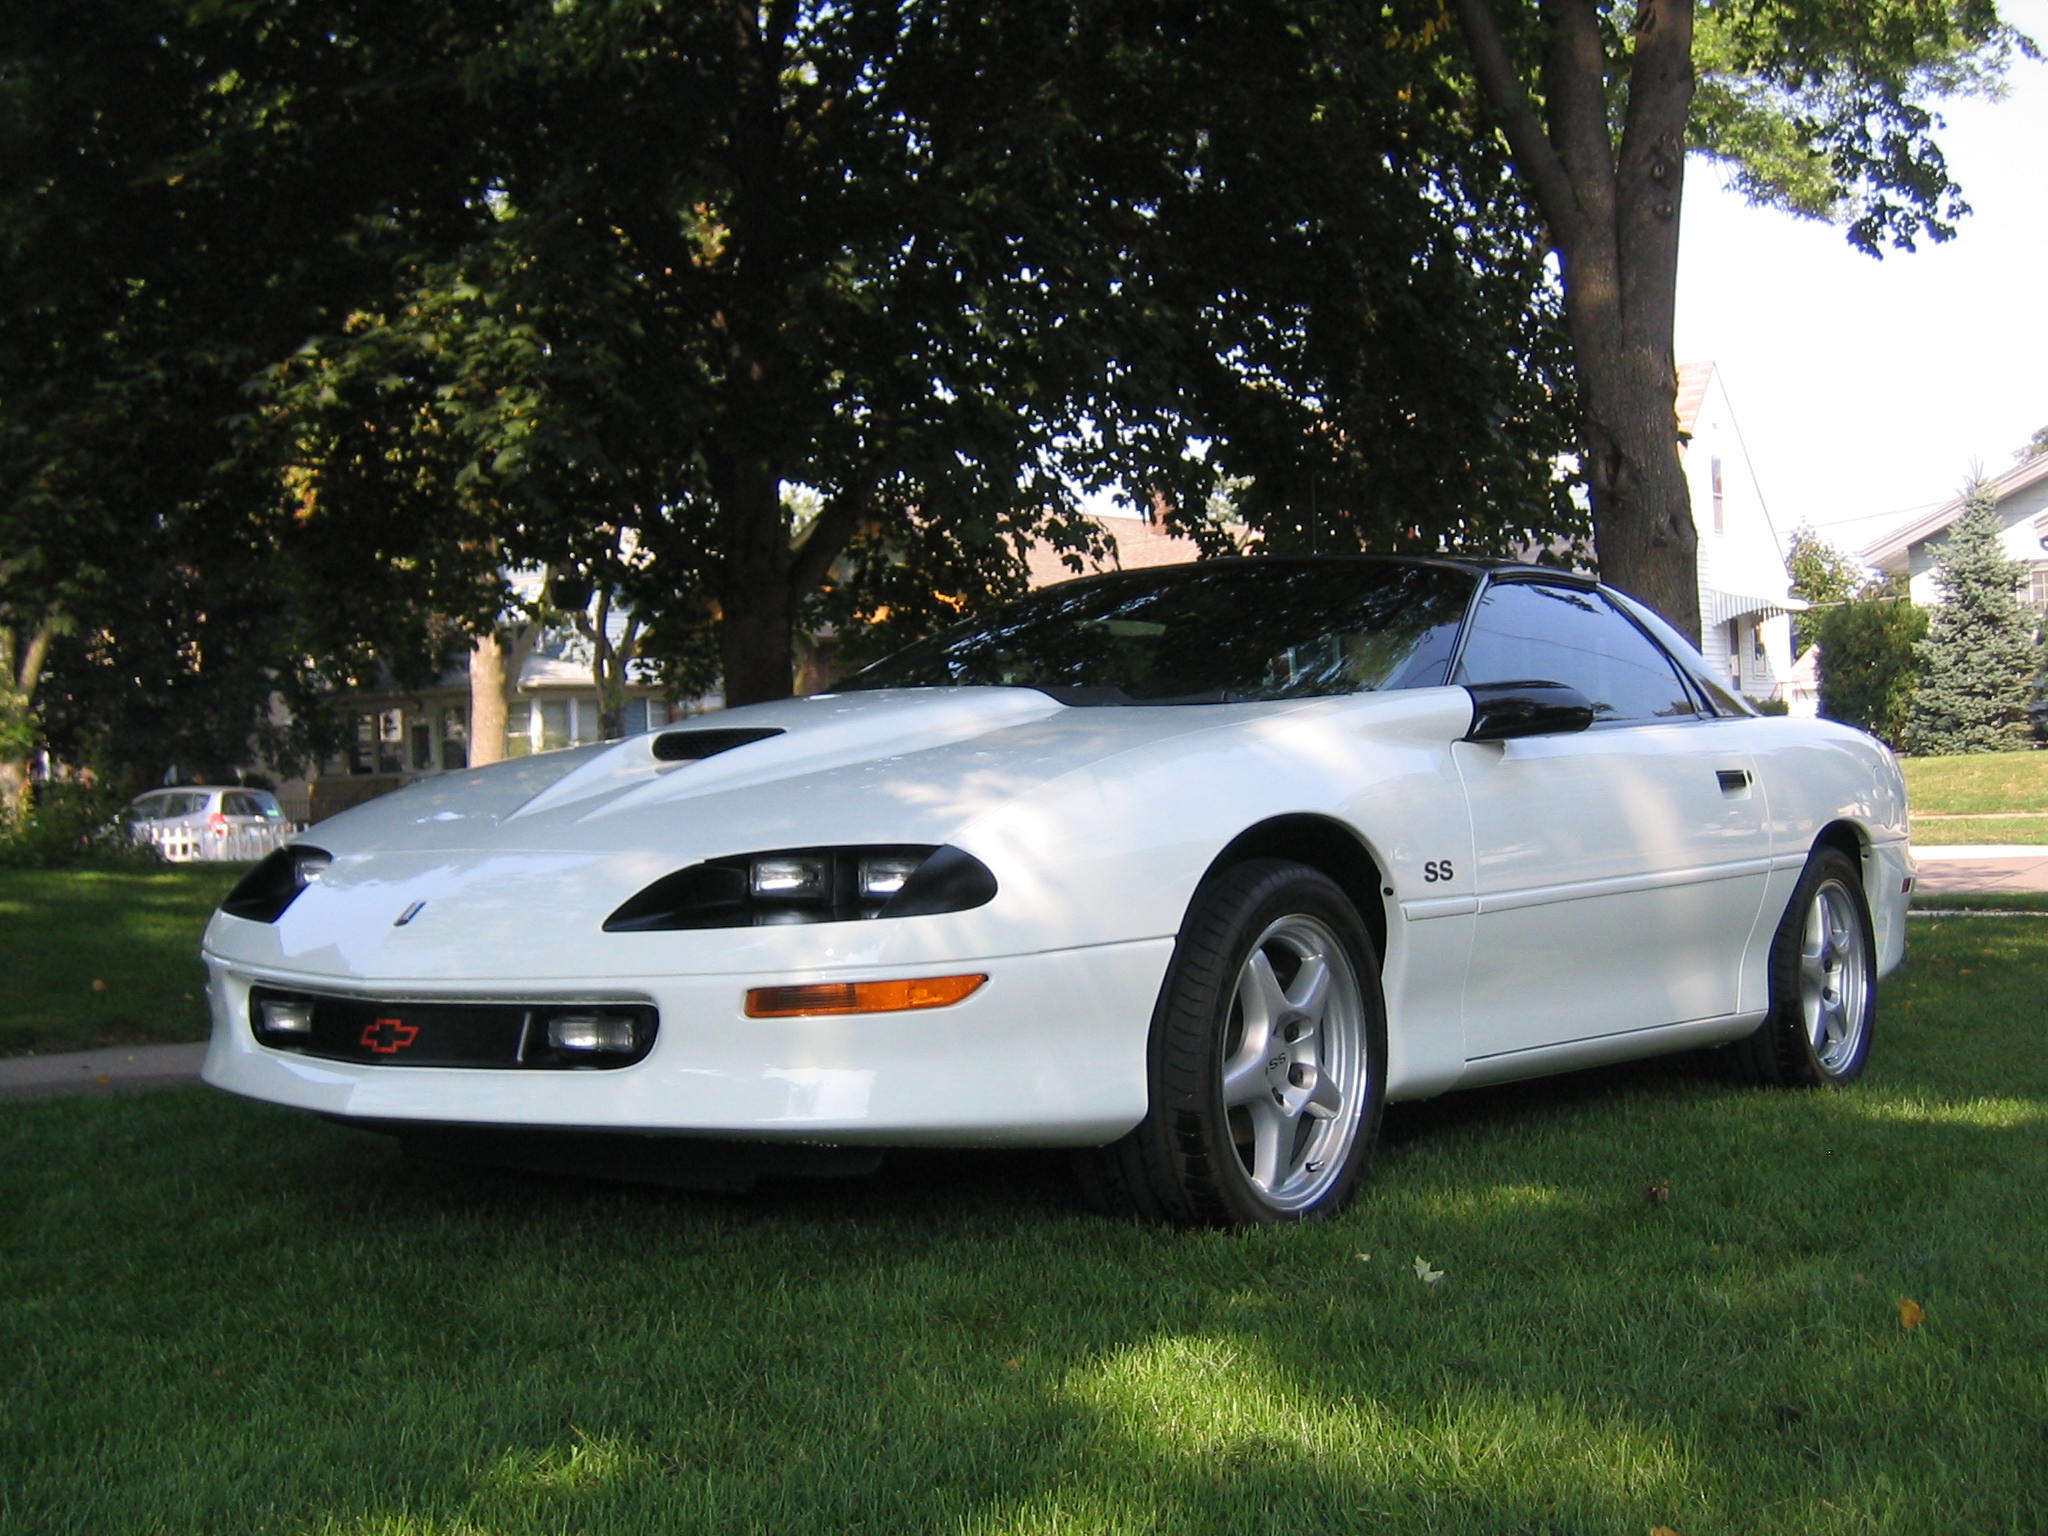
1834	977
1296	1068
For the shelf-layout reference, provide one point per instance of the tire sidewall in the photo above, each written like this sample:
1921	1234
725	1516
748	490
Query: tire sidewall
1230	914
1800	1060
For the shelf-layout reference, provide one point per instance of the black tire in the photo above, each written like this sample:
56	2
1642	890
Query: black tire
1823	984
1267	1062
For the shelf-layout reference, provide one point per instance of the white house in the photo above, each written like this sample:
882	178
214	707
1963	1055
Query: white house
1745	631
2022	496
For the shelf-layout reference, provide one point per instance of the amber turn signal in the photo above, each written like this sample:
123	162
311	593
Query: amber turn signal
860	997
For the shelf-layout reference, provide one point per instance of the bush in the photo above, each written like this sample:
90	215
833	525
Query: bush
72	826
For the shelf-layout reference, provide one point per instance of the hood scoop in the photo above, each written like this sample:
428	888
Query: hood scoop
694	746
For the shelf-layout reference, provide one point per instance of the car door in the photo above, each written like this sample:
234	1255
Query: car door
1619	869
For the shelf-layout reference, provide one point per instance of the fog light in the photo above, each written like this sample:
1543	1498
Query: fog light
284	1016
610	1032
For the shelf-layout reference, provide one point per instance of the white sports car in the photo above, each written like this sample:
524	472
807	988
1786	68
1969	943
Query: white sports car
1192	868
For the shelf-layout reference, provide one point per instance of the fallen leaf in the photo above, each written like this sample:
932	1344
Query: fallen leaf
1911	1314
1662	1530
1424	1273
1363	1258
1657	1194
98	985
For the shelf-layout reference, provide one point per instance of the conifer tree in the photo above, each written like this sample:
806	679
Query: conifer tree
1981	658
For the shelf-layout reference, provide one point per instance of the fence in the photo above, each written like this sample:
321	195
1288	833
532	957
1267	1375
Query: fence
236	845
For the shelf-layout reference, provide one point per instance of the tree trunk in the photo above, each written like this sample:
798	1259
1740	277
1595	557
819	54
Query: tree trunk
757	609
21	670
494	663
1613	216
487	705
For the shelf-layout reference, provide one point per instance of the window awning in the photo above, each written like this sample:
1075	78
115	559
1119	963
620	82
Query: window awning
1723	606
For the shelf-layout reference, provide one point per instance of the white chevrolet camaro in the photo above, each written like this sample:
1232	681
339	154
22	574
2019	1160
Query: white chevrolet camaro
1193	869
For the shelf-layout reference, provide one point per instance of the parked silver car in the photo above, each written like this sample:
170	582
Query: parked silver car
210	822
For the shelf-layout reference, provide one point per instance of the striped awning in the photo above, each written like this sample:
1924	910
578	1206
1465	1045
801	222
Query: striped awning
1722	606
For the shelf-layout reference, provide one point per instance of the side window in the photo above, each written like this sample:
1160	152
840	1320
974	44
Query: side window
1531	631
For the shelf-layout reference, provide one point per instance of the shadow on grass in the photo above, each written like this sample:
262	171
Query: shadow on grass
226	1316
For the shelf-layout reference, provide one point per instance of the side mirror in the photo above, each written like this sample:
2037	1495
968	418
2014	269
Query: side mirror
1504	711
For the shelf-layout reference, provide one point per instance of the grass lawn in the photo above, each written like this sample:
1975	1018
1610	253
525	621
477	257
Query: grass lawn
1987	788
226	1317
98	958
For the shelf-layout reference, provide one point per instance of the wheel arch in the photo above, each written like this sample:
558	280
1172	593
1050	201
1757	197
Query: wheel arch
1325	845
1849	839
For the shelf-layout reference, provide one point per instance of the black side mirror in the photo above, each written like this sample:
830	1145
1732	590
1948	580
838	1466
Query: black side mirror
1504	711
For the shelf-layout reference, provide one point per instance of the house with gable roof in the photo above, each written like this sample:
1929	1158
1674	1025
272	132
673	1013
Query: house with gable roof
2022	497
1745	589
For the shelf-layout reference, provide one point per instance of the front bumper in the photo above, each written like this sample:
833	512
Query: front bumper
1051	1052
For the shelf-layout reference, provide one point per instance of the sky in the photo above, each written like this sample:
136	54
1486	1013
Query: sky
1867	391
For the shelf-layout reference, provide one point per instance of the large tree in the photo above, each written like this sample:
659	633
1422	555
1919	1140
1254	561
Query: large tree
944	268
189	191
1821	109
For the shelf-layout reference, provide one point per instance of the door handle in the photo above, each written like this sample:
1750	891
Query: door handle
1734	781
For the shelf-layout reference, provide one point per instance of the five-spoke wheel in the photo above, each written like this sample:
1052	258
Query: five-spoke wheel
1267	1060
1823	983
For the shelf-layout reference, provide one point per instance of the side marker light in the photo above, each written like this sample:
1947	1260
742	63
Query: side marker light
842	997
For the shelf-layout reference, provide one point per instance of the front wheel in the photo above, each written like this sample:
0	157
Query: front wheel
1823	984
1267	1060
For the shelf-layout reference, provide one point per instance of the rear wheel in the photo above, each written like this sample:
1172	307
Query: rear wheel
1823	984
1267	1059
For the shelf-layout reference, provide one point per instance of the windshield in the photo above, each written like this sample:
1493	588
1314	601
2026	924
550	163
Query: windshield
1208	633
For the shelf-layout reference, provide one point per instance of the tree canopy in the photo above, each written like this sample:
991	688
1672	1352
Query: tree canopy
765	316
1824	110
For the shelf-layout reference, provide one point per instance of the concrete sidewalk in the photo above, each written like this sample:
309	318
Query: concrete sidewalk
1981	870
1943	871
116	1069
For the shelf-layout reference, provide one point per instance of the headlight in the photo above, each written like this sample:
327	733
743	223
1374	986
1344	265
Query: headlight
274	884
809	885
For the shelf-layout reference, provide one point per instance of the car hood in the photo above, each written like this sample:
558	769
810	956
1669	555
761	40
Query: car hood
1096	821
843	764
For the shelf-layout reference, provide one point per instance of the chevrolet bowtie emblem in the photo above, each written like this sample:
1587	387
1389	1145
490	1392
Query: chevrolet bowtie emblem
408	914
387	1037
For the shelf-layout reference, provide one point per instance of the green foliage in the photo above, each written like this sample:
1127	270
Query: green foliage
1823	576
71	826
2035	446
1868	664
1981	659
1828	111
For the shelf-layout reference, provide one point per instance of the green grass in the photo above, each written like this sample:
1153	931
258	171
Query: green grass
1984	784
101	958
1951	831
1994	797
226	1317
1981	901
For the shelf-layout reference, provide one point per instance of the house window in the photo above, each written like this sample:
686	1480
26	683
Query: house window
377	743
554	724
2037	585
422	743
586	715
1720	500
519	728
454	738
